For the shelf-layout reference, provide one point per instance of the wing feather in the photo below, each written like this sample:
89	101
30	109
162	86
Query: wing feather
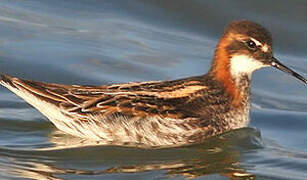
131	99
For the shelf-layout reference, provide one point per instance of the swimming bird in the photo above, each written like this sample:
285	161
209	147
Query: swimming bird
162	113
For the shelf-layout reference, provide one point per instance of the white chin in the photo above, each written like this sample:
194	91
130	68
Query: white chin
244	65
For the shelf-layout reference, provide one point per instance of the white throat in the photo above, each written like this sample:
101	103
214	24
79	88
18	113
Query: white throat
244	65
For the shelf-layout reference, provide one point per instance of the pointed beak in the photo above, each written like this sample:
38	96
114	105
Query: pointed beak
275	63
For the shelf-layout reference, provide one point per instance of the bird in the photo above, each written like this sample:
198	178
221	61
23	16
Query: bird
162	113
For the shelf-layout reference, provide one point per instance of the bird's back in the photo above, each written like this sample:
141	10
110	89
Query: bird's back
153	113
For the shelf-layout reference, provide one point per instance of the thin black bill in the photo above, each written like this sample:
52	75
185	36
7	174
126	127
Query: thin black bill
275	63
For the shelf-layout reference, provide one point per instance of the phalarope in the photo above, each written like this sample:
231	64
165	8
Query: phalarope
161	113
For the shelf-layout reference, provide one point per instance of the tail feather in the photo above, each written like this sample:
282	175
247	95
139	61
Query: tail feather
23	88
6	80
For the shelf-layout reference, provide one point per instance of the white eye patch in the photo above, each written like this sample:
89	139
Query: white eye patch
258	43
264	47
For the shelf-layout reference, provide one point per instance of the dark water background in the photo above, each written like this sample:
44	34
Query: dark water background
106	41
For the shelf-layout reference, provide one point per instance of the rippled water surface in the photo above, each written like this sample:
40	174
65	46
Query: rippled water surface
106	41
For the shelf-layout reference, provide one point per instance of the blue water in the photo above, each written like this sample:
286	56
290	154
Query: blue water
97	42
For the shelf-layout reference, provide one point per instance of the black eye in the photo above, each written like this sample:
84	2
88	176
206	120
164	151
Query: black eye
251	44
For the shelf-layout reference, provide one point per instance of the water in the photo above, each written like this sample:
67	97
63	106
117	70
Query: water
97	42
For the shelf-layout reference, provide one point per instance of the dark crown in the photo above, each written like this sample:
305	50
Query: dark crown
250	29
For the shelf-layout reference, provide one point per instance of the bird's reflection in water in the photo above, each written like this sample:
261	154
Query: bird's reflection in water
218	156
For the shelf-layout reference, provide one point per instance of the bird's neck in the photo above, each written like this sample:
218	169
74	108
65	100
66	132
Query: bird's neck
237	85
